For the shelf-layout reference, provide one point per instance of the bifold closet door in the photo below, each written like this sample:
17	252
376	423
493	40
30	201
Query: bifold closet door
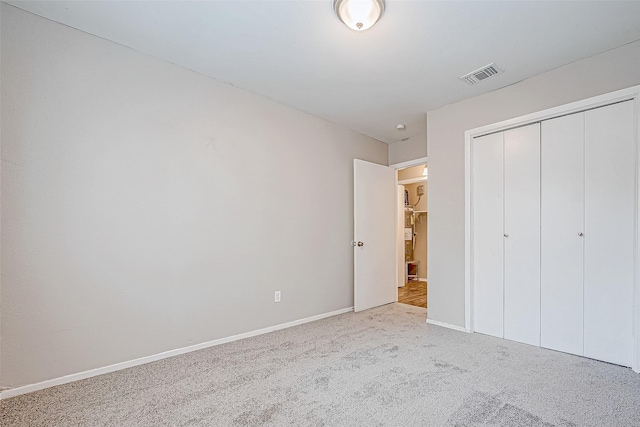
488	234
610	155
522	234
562	213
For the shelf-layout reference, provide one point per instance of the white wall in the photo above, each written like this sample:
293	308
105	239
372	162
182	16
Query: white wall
148	208
616	69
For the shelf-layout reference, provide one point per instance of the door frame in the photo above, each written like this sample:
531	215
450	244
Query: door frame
628	94
397	167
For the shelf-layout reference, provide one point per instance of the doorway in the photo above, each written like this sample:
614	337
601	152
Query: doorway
379	224
412	235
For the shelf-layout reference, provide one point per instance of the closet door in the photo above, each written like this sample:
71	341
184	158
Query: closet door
488	234
562	213
522	234
610	154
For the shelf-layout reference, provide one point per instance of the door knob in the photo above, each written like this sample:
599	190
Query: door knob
360	244
506	235
580	234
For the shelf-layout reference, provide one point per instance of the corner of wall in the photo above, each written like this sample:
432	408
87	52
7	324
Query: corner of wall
413	148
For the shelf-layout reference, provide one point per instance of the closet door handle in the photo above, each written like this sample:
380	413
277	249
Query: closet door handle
580	234
506	235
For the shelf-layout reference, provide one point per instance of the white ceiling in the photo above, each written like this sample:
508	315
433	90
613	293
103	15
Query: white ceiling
299	54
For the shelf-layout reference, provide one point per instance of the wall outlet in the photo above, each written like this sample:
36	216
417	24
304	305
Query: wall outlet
276	296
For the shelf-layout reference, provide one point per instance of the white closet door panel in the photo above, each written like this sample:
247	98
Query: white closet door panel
562	213
522	234
487	234
609	230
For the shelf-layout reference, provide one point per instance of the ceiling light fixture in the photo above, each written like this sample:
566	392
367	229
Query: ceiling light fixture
359	14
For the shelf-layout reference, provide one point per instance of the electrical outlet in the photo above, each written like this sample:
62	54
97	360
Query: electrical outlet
276	297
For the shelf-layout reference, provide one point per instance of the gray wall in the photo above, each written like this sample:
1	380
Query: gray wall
606	72
148	208
413	148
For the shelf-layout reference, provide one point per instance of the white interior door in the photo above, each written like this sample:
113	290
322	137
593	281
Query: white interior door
522	234
374	235
488	230
562	210
609	233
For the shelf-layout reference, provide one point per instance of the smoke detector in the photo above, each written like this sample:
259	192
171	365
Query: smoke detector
481	74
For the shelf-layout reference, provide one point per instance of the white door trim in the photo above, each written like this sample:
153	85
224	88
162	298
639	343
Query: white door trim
632	93
409	163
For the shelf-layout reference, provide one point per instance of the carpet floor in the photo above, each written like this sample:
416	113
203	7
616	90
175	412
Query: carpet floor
380	367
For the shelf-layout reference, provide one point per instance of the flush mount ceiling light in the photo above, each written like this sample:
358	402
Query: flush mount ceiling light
359	14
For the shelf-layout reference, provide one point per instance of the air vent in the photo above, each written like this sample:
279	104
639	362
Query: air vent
481	74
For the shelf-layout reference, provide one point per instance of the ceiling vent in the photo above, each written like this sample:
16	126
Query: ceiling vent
481	74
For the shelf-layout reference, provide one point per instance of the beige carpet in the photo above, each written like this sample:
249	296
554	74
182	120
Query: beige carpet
381	367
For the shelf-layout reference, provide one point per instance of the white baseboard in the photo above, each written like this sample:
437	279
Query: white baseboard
447	325
7	393
422	279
